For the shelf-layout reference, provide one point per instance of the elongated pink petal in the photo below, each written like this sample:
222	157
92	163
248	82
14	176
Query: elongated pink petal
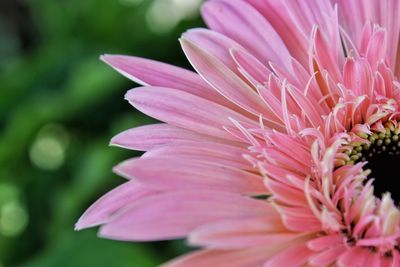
222	78
242	233
253	257
304	15
293	257
149	72
183	110
104	208
358	77
325	242
355	14
312	112
277	15
250	67
355	256
174	215
302	222
214	43
206	151
183	174
376	50
243	23
150	136
328	256
286	194
325	59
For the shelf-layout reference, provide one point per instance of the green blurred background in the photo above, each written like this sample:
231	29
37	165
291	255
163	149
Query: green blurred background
59	107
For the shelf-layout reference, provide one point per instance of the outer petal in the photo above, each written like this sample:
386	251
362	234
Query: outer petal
223	79
175	214
183	110
212	152
163	173
243	23
254	257
149	72
278	16
243	233
105	207
147	137
251	68
214	43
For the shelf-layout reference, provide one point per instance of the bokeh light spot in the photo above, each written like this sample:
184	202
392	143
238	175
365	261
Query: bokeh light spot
48	150
187	8
164	15
13	219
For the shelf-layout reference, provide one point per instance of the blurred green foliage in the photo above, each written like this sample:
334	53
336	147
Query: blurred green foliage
59	106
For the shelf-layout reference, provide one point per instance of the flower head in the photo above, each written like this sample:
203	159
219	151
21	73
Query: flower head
280	151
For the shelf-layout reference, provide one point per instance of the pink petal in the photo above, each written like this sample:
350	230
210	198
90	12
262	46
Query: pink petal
286	194
149	72
302	220
166	173
105	207
222	78
355	256
324	56
147	137
355	14
242	233
214	43
327	257
281	20
250	67
376	51
183	110
244	24
253	257
293	257
358	77
175	214
206	151
311	111
326	242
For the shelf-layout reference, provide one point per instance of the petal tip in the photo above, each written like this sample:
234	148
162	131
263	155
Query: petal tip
123	169
82	224
78	227
89	219
129	95
117	140
107	58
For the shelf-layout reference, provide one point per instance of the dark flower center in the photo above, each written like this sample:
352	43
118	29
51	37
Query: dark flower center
383	157
383	166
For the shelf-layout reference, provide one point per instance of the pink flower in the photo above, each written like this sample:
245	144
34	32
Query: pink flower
280	151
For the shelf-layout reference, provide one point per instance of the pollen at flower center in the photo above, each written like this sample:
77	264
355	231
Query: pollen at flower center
382	154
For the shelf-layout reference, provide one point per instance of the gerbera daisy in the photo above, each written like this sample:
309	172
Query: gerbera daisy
280	151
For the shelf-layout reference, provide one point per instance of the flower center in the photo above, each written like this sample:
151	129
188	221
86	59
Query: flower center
382	155
382	166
